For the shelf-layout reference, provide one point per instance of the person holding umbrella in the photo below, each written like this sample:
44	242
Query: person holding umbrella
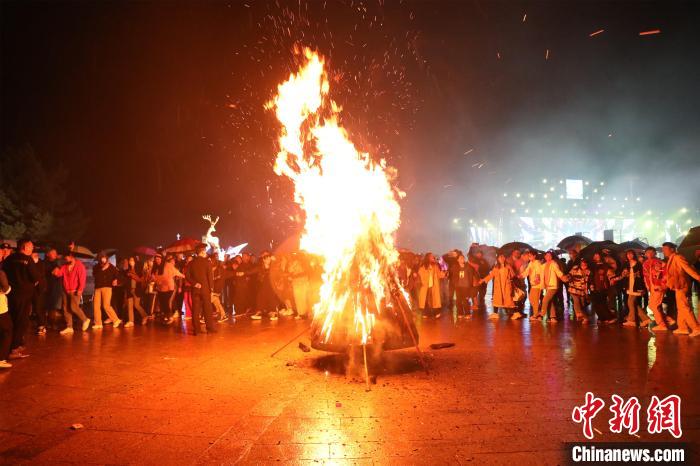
677	280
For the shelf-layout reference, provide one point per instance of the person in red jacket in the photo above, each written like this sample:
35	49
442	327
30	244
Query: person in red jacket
73	273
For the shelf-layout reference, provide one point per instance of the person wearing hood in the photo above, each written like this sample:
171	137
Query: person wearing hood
106	276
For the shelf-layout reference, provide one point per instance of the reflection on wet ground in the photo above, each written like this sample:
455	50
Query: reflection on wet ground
503	393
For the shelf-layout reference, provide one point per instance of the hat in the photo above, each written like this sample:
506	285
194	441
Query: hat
669	244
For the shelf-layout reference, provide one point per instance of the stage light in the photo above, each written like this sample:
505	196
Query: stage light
602	183
544	196
648	212
471	220
602	198
532	195
595	190
614	199
625	199
575	204
486	222
586	183
561	181
549	204
554	211
505	194
544	181
600	205
669	222
684	210
539	211
587	197
527	211
689	221
512	211
522	202
561	196
638	199
566	211
648	224
551	188
455	221
517	194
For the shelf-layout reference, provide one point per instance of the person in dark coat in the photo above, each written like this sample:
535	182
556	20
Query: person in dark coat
462	276
199	275
266	299
39	300
23	277
54	287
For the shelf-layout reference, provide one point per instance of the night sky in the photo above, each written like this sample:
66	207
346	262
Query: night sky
156	108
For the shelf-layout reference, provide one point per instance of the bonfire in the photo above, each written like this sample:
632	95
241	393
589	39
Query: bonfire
351	217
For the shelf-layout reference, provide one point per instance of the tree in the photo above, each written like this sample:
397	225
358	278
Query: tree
34	199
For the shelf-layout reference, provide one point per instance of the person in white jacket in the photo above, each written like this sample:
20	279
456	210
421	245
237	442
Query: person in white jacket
5	323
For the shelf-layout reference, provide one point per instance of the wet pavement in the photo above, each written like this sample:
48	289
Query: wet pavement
503	394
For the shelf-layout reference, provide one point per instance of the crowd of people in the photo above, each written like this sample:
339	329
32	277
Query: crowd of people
605	288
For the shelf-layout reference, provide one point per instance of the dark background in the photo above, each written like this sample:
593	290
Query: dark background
156	108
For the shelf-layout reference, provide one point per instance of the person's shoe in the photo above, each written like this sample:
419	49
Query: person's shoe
695	333
659	328
609	321
67	331
671	322
273	316
553	320
108	322
516	316
223	319
645	323
41	330
5	365
256	316
493	316
97	327
286	312
680	331
627	323
18	354
437	316
144	321
86	324
118	323
128	324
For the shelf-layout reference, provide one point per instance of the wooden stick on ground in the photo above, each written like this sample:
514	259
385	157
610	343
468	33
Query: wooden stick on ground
290	341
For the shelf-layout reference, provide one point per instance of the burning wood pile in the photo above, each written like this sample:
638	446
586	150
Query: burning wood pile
351	216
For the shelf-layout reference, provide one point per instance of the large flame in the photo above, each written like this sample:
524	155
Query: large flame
350	204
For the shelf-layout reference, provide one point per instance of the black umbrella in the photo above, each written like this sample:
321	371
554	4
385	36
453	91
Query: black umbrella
690	244
510	247
602	247
636	244
691	239
574	242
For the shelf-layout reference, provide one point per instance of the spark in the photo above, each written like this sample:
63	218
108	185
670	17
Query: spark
650	32
599	31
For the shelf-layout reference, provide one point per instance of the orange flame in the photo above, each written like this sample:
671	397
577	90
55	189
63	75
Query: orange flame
351	207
